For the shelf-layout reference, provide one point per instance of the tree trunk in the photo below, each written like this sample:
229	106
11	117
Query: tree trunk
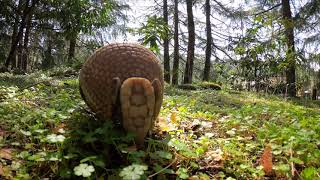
191	42
175	69
207	65
25	51
13	39
48	58
27	12
314	94
72	47
17	37
291	69
19	53
166	57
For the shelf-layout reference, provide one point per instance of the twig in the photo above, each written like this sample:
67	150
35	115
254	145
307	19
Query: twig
277	5
175	159
33	84
293	169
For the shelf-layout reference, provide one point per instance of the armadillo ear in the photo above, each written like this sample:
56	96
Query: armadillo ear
158	93
116	84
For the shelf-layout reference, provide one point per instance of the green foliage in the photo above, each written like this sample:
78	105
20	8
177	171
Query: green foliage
202	134
210	85
84	16
134	171
84	170
188	86
154	32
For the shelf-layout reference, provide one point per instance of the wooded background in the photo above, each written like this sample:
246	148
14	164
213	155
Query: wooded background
261	45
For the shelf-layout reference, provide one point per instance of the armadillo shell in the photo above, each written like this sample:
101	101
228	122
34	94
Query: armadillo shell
120	60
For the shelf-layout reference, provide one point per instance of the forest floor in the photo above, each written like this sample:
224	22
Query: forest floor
47	131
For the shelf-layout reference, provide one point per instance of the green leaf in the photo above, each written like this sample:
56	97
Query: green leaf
282	167
310	173
83	170
164	154
90	158
296	160
134	171
183	173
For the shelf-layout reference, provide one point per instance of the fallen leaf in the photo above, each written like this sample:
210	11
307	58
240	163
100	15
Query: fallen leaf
6	153
1	170
164	125
2	132
215	155
59	127
266	160
132	148
173	117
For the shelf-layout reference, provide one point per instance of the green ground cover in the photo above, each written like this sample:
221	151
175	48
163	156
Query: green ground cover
47	131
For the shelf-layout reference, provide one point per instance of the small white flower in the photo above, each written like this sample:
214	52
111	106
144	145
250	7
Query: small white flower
15	165
54	159
26	133
70	110
60	138
209	135
40	131
53	138
231	132
61	131
84	170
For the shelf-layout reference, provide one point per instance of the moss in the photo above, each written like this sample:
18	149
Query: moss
188	87
209	85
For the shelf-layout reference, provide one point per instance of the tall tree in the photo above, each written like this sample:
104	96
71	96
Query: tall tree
175	68
27	12
191	42
290	54
207	66
166	57
84	16
25	50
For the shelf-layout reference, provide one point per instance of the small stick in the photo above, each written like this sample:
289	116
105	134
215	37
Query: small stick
293	169
175	159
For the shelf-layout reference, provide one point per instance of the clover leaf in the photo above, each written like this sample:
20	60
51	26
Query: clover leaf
53	138
83	170
135	171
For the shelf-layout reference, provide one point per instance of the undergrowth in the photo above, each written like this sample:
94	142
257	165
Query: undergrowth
47	131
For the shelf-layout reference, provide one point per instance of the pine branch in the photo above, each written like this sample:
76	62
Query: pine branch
267	10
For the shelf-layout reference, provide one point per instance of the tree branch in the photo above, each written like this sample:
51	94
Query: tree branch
264	11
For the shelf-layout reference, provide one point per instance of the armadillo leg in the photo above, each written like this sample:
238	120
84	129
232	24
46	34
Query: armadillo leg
116	84
158	92
115	87
137	106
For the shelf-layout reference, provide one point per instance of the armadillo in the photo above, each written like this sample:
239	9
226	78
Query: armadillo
123	82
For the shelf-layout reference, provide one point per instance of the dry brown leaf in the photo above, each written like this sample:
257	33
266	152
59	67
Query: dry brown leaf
215	155
164	125
1	170
173	117
60	126
266	160
132	148
6	153
2	132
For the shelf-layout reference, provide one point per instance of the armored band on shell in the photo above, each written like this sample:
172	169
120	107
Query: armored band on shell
124	82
